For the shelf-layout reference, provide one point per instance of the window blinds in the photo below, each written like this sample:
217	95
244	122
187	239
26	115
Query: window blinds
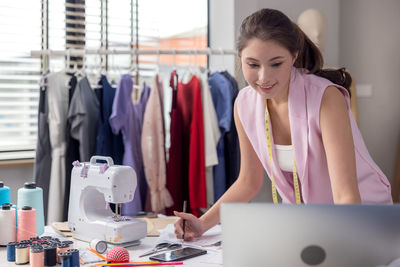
20	32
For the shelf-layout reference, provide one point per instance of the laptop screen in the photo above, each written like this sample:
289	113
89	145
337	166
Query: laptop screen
261	234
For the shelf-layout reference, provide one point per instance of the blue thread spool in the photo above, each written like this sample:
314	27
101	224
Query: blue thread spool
65	259
11	251
31	195
4	194
75	258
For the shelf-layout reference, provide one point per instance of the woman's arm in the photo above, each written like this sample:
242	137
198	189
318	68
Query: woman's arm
339	147
248	183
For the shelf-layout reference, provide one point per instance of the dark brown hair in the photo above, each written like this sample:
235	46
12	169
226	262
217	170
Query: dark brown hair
272	25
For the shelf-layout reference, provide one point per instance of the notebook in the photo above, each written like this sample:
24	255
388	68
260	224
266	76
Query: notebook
261	234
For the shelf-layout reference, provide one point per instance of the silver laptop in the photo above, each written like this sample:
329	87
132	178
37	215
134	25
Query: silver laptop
260	234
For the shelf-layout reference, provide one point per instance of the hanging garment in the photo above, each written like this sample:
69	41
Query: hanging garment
153	149
221	92
177	182
191	114
42	167
128	118
57	90
83	115
304	100
107	143
231	140
211	136
72	149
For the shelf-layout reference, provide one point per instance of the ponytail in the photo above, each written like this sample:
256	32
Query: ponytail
310	58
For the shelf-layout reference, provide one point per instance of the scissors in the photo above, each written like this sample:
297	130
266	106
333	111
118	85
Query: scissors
162	247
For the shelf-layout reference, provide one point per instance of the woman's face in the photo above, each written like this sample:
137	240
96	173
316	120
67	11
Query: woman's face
266	67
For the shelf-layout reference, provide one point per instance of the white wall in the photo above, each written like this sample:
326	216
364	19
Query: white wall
370	42
293	8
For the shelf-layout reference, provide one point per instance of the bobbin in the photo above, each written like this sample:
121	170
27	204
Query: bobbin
98	245
11	251
21	254
37	256
50	255
66	259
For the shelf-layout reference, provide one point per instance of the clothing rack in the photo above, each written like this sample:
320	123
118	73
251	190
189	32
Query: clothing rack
82	52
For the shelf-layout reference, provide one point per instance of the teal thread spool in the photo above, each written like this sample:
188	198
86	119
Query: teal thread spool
31	195
4	194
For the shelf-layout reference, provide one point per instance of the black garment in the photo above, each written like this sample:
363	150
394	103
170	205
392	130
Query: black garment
72	150
231	140
42	167
107	143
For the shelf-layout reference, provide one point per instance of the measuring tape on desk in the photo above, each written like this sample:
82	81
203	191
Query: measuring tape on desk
295	178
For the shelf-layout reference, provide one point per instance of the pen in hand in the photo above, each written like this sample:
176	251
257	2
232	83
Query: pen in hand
184	221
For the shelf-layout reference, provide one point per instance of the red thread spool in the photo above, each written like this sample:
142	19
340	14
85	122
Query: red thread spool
26	223
117	255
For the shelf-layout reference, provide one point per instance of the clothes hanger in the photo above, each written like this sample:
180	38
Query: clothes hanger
222	59
134	72
82	71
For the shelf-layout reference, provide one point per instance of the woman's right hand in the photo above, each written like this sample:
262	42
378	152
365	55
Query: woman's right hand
193	226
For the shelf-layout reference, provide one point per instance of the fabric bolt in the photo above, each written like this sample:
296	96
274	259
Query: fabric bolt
107	144
127	117
42	167
211	135
191	114
83	115
57	89
72	150
221	92
231	140
305	96
153	149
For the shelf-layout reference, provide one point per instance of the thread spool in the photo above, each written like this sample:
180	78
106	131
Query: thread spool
74	258
36	257
4	194
26	223
11	251
14	207
50	255
61	248
66	259
8	231
21	254
31	195
98	245
69	242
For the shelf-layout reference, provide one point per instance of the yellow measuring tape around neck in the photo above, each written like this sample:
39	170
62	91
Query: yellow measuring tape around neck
295	178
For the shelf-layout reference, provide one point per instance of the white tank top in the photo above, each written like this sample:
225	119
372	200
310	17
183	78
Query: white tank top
285	157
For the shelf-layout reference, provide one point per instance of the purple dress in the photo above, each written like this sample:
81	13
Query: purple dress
127	117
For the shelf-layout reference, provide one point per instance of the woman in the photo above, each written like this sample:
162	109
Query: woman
294	121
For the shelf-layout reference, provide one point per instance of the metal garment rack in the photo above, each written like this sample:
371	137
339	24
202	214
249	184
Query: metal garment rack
82	52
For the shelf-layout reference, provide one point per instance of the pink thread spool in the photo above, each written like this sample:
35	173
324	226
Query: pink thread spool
37	256
26	223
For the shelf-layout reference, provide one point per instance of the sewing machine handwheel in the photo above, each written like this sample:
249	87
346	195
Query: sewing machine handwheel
94	159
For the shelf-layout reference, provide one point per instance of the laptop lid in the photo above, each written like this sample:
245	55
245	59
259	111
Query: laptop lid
261	234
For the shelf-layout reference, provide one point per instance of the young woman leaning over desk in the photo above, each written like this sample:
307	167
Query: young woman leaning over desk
294	121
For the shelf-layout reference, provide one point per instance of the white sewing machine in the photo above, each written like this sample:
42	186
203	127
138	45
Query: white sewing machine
92	186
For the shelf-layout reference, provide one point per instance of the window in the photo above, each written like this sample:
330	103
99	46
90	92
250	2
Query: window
20	32
123	24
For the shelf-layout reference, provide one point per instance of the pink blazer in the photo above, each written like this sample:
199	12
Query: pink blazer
305	95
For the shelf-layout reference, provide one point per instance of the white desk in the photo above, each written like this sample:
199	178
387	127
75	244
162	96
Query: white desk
146	244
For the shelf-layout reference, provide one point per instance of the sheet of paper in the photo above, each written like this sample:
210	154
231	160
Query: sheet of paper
206	240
